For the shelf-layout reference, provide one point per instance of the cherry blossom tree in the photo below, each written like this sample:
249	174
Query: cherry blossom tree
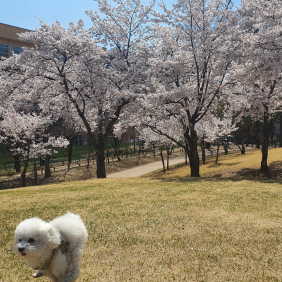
157	142
124	29
192	58
23	100
259	66
23	133
119	132
73	69
215	129
70	125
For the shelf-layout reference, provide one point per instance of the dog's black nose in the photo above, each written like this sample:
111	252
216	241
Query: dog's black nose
21	249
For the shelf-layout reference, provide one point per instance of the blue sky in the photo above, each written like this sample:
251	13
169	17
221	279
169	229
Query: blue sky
26	14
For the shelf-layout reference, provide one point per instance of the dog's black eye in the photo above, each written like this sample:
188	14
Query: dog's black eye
20	240
31	240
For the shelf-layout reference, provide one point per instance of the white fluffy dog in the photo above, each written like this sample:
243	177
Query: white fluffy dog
53	248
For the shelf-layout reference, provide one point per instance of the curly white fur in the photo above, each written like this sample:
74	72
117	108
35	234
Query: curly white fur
35	240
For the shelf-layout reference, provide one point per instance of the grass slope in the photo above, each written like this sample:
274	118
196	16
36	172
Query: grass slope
169	228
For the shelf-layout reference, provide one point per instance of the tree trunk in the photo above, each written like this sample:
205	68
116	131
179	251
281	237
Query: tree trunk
47	162
134	144
100	157
116	144
88	159
193	154
257	135
225	146
118	156
280	127
47	166
217	151
41	161
271	126
70	149
243	151
162	157
186	151
23	175
35	172
167	157
203	151
17	163
265	143
139	149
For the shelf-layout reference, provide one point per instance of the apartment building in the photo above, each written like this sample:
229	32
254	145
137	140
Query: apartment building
9	40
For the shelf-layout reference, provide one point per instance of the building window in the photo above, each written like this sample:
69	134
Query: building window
17	50
4	50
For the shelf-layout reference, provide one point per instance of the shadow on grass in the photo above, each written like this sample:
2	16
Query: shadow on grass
274	174
219	164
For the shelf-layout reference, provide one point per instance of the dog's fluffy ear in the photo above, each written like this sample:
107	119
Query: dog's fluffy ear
54	238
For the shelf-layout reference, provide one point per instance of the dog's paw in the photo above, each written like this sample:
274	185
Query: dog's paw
37	274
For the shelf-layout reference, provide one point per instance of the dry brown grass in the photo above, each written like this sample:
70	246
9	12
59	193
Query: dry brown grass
79	171
170	229
232	166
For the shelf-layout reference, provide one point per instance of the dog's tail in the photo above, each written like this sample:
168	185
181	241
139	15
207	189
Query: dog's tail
73	215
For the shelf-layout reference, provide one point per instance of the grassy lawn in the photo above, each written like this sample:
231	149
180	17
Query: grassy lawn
164	227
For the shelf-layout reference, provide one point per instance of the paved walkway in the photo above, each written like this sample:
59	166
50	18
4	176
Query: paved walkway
144	169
